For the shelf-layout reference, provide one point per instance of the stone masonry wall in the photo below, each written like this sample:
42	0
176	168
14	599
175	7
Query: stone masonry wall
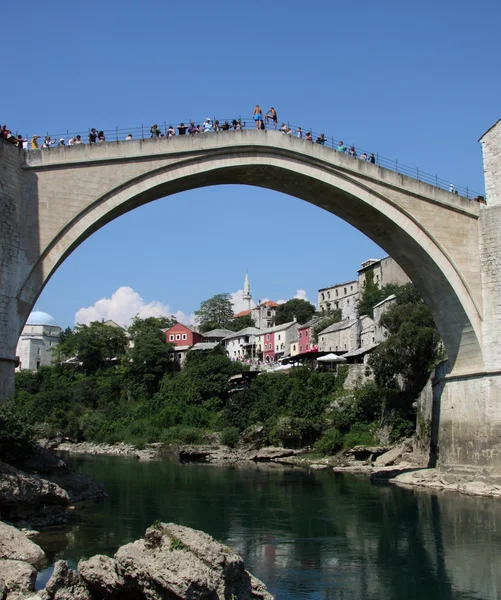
11	161
491	148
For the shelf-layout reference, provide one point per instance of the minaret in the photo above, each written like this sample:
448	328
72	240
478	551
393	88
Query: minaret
247	293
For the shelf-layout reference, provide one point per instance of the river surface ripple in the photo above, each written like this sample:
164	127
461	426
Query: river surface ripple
307	534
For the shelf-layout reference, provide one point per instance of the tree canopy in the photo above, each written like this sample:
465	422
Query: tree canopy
324	322
372	294
94	345
301	310
149	356
215	313
412	347
238	323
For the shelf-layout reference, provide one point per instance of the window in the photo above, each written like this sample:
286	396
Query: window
179	355
337	293
323	308
328	294
294	347
300	348
268	314
278	337
267	337
171	337
277	348
300	334
351	288
178	336
345	291
185	336
306	347
323	296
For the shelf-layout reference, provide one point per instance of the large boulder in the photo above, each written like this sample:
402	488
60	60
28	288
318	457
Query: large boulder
24	496
65	584
14	545
18	577
172	562
391	457
101	576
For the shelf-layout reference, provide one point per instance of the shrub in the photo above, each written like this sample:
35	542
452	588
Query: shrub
229	437
182	435
401	428
360	434
330	442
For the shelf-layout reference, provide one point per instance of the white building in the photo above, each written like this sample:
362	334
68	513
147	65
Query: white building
39	336
340	337
241	344
342	296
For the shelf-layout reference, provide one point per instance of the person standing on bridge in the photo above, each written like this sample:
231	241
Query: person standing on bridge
272	114
171	132
182	129
372	158
257	115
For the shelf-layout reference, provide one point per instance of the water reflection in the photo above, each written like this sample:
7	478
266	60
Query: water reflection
311	535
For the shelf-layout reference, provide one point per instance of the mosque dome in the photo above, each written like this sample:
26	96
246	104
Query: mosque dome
38	317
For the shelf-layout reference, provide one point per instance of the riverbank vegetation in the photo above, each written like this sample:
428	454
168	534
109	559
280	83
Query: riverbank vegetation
106	389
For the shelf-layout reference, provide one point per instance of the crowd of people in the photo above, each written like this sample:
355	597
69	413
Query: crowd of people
208	126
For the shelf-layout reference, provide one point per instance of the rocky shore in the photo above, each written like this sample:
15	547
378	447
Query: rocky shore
38	491
171	561
401	464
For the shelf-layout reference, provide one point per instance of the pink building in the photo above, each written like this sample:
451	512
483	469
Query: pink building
269	347
304	336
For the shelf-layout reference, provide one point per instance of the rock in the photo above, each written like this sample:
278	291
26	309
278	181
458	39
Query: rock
14	545
24	496
65	584
389	458
100	575
365	452
18	576
3	589
272	453
172	562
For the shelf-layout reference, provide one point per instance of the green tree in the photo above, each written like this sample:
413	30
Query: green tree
372	294
214	313
96	345
324	322
413	346
298	309
238	323
149	356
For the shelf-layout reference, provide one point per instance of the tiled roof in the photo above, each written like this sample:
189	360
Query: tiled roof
360	351
242	332
278	327
242	313
205	346
338	326
219	333
309	323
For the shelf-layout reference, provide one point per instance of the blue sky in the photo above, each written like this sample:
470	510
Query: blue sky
418	82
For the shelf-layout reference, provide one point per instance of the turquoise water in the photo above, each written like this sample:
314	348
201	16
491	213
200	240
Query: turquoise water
307	534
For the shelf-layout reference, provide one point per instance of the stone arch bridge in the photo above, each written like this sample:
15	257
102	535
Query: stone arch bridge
52	200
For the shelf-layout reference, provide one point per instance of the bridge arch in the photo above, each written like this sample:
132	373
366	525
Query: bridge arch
376	207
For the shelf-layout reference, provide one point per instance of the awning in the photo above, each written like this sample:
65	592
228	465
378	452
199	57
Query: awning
331	358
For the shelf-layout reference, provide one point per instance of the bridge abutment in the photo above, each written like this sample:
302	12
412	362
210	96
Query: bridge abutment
11	211
470	403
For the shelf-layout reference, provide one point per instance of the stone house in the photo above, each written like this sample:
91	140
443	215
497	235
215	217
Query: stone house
380	333
384	270
340	337
343	296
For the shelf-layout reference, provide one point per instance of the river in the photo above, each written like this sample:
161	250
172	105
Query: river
307	534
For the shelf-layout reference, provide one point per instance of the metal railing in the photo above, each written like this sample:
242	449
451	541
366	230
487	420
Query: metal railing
118	134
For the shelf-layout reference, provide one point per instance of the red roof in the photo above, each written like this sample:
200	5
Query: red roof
269	303
243	313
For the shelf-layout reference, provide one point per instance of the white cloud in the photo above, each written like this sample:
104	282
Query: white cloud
124	305
238	301
301	295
